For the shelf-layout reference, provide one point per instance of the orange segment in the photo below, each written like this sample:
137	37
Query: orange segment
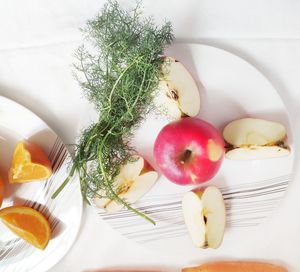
30	163
28	224
1	191
236	267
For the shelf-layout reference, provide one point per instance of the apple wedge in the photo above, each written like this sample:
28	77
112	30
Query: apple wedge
177	93
253	139
205	216
257	152
134	180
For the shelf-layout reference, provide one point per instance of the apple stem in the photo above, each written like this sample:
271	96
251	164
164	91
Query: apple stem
183	115
186	156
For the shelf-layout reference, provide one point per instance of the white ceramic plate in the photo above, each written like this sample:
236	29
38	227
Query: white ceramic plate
64	212
230	88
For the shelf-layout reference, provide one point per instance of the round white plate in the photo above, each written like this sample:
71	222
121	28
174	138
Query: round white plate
230	88
63	213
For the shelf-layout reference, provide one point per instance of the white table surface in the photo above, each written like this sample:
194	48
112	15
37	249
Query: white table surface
37	41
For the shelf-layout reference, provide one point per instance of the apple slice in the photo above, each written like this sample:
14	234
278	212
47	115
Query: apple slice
134	180
205	216
257	152
252	131
251	139
133	190
177	93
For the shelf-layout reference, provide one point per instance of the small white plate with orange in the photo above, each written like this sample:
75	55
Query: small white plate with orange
19	125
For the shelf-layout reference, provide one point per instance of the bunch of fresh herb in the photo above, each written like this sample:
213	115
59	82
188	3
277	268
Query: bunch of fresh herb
121	73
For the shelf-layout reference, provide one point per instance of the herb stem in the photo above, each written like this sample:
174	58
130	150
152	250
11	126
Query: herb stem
66	181
117	82
118	199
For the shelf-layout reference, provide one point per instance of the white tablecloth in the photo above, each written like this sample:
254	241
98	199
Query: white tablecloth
37	41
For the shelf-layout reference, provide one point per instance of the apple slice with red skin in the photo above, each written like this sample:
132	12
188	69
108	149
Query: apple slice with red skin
205	216
135	179
177	93
189	151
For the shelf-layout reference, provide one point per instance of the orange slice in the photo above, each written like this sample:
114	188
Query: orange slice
29	163
28	224
1	191
236	267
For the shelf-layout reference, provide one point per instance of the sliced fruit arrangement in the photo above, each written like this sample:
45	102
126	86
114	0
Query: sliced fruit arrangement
134	180
1	191
29	163
205	216
28	224
189	151
236	267
251	139
177	95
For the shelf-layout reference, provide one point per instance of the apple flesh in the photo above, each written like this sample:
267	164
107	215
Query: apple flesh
251	138
253	131
189	151
256	152
134	180
177	93
205	216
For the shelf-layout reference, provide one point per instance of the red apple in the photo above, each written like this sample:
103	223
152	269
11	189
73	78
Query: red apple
189	151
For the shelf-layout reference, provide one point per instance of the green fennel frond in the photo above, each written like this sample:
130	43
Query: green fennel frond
118	69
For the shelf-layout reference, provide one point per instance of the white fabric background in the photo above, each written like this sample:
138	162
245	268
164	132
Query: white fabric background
37	41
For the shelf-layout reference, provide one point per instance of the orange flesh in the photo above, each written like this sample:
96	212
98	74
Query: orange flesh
29	163
1	191
236	267
28	224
